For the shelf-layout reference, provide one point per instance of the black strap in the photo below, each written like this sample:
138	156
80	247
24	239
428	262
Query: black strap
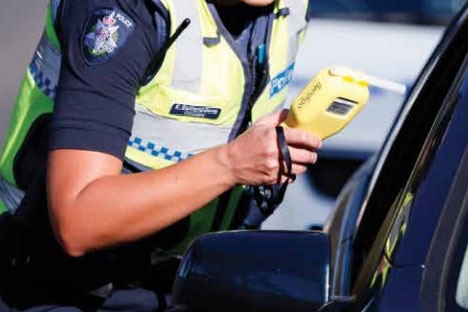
221	208
269	197
283	12
283	145
156	62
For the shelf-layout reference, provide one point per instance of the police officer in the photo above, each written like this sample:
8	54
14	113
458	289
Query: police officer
136	126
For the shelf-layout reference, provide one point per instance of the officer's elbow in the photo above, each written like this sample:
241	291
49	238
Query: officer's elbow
70	236
70	244
73	252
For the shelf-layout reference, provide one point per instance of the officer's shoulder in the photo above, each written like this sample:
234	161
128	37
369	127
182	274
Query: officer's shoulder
110	24
136	9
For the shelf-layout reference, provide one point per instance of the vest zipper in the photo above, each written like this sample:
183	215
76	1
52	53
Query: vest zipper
249	98
256	89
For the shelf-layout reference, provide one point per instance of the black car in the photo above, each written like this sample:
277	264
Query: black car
398	238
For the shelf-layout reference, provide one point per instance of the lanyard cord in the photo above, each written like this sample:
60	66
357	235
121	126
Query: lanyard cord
269	197
257	59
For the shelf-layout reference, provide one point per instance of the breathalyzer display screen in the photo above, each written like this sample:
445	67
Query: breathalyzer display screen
341	106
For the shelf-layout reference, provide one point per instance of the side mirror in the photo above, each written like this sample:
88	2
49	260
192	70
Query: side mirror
254	271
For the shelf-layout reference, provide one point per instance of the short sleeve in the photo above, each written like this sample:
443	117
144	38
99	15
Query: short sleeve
107	46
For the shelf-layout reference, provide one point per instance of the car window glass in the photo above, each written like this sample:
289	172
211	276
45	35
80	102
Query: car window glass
462	287
440	209
404	199
441	142
446	6
385	213
461	296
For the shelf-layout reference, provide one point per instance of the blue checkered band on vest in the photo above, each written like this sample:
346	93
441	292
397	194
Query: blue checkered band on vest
157	151
42	82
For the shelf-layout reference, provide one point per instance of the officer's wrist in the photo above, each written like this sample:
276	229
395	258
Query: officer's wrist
225	159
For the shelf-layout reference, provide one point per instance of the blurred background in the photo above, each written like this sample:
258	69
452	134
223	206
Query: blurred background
387	39
21	24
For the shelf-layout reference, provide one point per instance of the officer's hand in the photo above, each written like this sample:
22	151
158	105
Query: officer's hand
254	158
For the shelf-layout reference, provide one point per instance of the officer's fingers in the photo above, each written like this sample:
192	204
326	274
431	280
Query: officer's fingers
301	138
296	169
302	156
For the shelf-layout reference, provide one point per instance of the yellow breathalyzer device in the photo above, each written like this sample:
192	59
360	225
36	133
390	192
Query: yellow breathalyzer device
332	99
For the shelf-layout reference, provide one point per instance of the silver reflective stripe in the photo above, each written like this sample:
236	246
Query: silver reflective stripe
171	139
297	22
188	63
45	67
11	196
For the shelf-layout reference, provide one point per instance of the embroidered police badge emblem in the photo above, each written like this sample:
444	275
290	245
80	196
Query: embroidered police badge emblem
105	32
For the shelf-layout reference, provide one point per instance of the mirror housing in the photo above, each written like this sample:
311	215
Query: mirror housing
254	271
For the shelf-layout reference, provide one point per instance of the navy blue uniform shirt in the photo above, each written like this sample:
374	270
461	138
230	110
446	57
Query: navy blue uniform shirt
106	48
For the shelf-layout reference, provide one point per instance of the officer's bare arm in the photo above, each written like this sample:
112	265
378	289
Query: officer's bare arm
93	206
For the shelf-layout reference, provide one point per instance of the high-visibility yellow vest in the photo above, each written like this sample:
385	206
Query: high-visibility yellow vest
197	99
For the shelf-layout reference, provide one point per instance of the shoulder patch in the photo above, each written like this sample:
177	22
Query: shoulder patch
106	30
